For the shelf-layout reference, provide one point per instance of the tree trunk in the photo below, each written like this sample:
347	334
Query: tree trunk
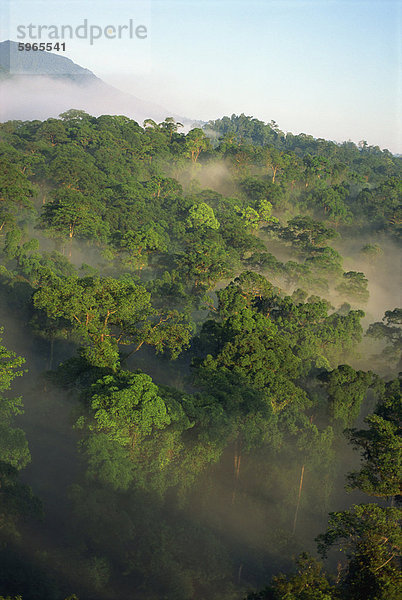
236	466
134	438
298	499
51	353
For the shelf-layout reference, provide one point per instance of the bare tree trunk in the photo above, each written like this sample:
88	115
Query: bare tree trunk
134	438
51	353
238	467
237	460
298	499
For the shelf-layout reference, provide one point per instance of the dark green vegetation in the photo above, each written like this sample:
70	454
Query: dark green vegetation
191	321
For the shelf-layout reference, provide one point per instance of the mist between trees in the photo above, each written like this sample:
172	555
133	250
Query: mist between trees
204	331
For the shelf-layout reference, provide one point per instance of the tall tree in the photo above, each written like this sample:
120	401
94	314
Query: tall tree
381	447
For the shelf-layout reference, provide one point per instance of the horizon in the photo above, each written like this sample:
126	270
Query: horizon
306	65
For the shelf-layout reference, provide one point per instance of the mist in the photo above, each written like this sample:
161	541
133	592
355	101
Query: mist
384	274
40	97
235	469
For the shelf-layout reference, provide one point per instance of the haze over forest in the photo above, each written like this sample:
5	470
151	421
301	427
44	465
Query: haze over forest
201	352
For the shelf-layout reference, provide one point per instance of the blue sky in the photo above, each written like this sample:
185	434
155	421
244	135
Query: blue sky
325	67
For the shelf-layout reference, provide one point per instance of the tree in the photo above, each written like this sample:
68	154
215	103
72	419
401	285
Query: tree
247	345
147	239
325	261
53	131
381	447
127	407
202	215
71	215
16	192
72	167
346	389
370	536
250	217
16	499
13	444
241	156
243	292
304	232
308	583
16	502
196	142
391	333
273	160
372	252
74	114
314	167
106	312
354	286
316	337
257	190
93	307
332	200
171	126
205	259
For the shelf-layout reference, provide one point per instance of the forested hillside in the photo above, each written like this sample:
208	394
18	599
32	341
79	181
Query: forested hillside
207	339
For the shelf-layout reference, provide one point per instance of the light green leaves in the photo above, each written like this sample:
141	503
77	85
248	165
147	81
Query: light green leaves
127	407
202	215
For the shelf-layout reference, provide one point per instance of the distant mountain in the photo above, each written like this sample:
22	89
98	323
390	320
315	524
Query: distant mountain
39	85
13	62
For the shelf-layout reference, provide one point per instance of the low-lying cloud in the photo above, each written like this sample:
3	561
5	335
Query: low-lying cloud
39	97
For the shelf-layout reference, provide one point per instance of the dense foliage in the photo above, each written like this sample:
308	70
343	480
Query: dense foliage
193	301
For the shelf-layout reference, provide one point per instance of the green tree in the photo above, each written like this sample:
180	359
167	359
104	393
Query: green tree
390	331
127	407
354	286
202	215
310	582
346	389
13	444
304	232
370	536
273	160
146	240
53	131
70	214
196	142
381	447
16	193
372	252
171	126
325	261
106	312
